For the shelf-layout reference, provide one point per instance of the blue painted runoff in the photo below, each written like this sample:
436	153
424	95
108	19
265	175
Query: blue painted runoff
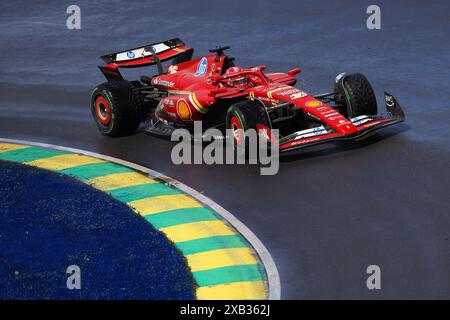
50	221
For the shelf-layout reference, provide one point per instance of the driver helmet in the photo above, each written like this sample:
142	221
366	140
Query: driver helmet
235	81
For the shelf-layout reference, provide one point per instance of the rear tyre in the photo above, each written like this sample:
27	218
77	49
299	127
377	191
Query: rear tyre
359	96
116	107
243	116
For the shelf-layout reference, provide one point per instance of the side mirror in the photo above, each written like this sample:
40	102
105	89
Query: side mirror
293	72
258	68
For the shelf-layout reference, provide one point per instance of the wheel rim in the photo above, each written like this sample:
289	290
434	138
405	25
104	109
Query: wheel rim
103	110
236	128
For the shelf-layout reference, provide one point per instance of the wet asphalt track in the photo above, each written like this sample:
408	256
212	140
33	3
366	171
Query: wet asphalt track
330	211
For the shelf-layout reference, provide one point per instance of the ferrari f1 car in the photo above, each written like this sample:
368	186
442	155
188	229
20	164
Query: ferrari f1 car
212	89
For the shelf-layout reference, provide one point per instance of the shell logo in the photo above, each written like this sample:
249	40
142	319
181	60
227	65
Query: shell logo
183	110
313	104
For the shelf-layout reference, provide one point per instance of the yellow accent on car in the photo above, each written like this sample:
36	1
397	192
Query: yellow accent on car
183	110
194	97
314	104
269	93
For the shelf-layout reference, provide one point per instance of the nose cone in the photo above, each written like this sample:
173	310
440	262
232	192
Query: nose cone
347	128
328	115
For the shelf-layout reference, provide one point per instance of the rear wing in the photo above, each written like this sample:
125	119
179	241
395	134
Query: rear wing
154	53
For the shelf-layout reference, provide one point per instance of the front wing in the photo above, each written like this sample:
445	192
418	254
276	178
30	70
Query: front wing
366	125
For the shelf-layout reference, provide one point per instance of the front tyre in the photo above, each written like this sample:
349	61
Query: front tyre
243	116
358	95
116	107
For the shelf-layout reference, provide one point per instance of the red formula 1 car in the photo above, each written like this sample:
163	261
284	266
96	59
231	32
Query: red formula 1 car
213	90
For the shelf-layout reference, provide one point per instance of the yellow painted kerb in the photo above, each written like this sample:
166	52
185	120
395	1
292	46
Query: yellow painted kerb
159	204
64	161
119	180
4	147
171	204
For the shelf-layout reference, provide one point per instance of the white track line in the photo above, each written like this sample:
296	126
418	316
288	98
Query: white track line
273	277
